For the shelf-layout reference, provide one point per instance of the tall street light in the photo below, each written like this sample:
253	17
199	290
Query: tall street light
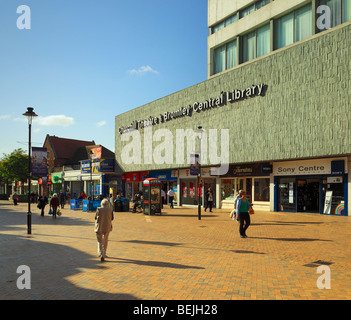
199	131
30	114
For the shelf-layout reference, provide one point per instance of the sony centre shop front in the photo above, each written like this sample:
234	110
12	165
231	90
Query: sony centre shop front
314	186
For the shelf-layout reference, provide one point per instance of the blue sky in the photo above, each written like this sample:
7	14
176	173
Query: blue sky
85	61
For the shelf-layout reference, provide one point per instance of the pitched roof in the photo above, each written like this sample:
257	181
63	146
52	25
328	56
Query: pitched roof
65	148
83	153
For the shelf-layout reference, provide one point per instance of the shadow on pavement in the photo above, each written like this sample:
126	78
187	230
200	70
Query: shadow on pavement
51	265
154	263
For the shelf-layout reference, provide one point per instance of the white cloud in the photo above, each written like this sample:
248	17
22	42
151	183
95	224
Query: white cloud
143	70
5	117
101	124
54	121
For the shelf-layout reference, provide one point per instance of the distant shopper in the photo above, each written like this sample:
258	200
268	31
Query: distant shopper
15	198
103	227
43	201
209	199
242	212
62	198
238	196
163	197
170	197
54	203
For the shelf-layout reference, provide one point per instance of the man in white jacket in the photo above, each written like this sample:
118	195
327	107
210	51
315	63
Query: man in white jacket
171	197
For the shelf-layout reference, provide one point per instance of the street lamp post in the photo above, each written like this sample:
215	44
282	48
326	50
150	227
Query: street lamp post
199	131
30	114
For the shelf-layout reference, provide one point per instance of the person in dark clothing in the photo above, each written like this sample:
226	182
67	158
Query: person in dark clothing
43	201
209	199
137	201
54	203
15	198
62	199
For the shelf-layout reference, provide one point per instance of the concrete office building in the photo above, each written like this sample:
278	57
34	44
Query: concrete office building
275	107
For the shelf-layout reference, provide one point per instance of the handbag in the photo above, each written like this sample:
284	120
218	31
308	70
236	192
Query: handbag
232	213
251	211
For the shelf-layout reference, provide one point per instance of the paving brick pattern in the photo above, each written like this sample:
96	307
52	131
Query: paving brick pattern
175	256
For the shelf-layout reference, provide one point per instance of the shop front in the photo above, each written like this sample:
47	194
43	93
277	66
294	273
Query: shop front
169	180
188	194
134	182
313	186
189	187
253	178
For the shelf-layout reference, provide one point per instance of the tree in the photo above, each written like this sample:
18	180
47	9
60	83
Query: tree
14	166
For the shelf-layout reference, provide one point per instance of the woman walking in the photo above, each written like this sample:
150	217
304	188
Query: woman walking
243	215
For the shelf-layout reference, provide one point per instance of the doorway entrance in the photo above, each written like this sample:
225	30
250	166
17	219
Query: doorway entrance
308	195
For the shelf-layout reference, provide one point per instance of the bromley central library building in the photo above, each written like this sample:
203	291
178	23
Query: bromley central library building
274	111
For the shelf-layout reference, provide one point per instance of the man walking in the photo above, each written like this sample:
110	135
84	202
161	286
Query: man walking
170	194
103	227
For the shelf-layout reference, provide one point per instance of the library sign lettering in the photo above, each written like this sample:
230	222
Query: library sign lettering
223	99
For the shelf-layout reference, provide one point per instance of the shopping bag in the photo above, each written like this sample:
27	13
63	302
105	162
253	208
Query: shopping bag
50	211
251	211
58	212
232	213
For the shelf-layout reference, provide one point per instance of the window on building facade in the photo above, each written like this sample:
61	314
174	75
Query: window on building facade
346	7
257	5
225	57
245	12
293	27
256	43
224	23
340	11
261	191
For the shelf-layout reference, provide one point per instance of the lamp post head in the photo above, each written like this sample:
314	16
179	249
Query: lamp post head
30	114
199	130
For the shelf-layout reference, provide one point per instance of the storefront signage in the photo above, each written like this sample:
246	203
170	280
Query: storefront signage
303	167
223	99
107	165
257	169
88	165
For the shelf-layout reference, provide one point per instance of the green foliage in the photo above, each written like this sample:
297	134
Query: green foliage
14	166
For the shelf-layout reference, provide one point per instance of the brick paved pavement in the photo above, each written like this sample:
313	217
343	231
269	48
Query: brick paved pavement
175	256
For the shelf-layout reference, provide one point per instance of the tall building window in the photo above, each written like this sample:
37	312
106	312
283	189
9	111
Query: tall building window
256	43
340	11
293	27
346	6
303	23
245	12
225	57
263	40
257	5
224	23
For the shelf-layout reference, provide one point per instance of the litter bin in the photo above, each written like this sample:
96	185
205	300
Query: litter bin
118	205
125	204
